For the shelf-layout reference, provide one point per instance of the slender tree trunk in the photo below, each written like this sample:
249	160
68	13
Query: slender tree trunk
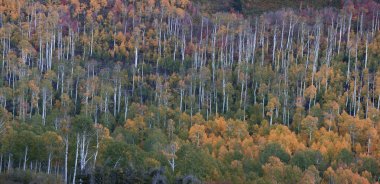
1	163
66	157
76	160
349	30
9	163
366	52
49	163
125	108
97	148
369	145
92	40
25	157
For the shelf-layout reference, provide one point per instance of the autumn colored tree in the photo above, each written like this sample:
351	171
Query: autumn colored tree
310	124
197	134
179	91
271	106
287	139
276	171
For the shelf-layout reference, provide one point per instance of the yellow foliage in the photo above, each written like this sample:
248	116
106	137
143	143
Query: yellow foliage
311	91
135	125
330	143
197	134
282	135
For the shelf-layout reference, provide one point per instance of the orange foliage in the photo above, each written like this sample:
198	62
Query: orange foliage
330	143
282	135
197	134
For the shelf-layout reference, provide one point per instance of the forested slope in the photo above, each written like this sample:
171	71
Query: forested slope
258	7
111	91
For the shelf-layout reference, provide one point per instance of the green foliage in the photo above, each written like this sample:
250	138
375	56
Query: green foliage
193	161
122	155
19	176
307	158
252	167
121	91
371	165
346	156
273	149
155	140
81	124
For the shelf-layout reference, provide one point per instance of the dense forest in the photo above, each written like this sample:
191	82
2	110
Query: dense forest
257	7
164	91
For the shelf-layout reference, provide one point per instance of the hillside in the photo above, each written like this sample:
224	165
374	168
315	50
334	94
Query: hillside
258	7
168	91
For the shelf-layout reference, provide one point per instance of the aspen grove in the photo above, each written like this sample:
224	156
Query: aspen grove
164	91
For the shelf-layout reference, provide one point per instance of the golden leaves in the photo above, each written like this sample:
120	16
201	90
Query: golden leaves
197	134
311	91
287	139
136	124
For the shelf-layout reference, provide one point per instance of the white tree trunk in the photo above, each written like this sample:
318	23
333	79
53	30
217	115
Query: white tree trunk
25	157
49	163
66	157
76	160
